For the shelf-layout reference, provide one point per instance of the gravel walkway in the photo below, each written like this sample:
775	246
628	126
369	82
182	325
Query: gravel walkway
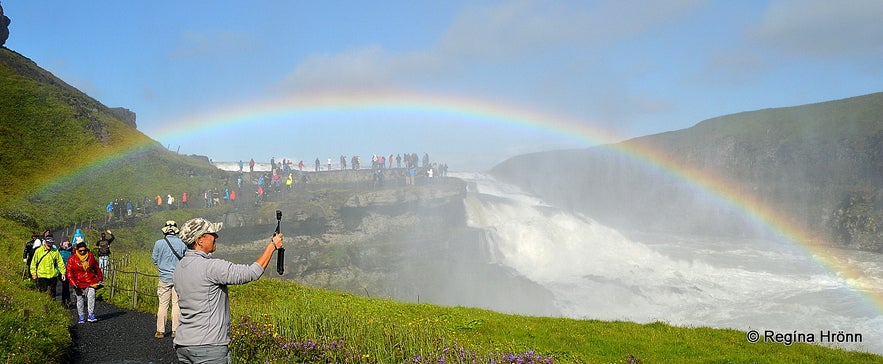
119	336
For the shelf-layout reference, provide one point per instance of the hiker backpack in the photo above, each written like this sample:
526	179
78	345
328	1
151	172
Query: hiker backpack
103	248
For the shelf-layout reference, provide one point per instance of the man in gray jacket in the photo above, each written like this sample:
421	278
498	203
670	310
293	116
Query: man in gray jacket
201	283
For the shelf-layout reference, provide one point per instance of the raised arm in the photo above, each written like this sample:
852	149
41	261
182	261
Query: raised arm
275	243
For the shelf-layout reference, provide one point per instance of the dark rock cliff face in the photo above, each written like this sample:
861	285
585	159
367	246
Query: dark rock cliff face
125	115
409	243
4	27
820	165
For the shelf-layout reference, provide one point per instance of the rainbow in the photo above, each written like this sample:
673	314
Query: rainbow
475	110
306	107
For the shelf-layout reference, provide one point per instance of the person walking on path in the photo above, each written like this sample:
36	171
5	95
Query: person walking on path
201	282
79	237
46	266
167	252
30	247
85	276
66	250
103	245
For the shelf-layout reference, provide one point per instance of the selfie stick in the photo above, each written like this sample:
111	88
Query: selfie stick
280	257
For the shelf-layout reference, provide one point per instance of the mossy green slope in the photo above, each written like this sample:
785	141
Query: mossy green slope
64	154
63	157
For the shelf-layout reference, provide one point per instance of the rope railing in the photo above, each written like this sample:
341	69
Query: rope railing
128	282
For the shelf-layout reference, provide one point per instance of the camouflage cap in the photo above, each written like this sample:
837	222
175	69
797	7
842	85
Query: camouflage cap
170	228
196	227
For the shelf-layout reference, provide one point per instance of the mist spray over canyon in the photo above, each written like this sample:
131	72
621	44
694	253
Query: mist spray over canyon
624	232
596	272
476	241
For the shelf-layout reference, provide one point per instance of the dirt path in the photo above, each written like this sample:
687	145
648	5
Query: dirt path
120	336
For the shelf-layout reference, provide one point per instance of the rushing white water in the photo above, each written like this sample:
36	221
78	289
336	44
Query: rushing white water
599	273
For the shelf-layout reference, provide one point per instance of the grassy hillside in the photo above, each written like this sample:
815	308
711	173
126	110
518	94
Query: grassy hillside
830	142
56	142
33	329
821	164
65	156
276	320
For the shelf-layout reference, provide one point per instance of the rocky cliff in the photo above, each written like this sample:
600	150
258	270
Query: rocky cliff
4	27
407	242
125	115
821	165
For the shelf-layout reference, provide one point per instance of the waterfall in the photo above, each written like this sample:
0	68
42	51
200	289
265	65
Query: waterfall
597	272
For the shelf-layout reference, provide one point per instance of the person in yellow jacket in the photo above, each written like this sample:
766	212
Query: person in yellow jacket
47	266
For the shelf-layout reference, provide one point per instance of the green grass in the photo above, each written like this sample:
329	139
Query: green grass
33	328
273	320
64	158
389	331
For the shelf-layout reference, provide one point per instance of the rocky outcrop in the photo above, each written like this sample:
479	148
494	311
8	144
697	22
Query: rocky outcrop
125	115
809	163
4	27
93	114
407	242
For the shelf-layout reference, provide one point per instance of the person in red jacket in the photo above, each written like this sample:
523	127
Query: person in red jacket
85	276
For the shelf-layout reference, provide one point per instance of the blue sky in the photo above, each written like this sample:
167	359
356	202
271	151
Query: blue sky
629	68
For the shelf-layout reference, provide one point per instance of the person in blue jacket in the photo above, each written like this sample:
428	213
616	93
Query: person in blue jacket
167	252
79	237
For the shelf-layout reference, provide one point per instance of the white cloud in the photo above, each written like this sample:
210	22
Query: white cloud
364	68
489	34
510	29
522	28
212	44
823	29
733	67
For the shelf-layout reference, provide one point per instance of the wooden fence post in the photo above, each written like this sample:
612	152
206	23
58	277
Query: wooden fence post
135	289
113	281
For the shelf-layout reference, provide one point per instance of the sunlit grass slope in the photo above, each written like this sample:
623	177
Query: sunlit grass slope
63	157
33	329
282	321
389	331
